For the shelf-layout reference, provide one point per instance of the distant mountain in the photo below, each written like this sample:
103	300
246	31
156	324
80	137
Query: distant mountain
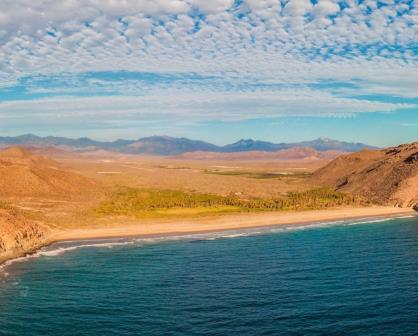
320	144
323	144
165	145
34	140
254	145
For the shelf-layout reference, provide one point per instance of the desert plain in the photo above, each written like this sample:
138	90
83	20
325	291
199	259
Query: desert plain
51	194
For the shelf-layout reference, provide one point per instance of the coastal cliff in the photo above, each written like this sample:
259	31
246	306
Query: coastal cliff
25	176
19	235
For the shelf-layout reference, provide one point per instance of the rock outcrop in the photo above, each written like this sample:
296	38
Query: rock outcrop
388	176
24	175
19	235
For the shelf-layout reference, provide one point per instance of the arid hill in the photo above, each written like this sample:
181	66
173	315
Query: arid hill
295	153
388	176
18	234
23	174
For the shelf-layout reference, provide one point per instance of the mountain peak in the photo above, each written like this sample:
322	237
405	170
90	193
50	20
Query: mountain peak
325	139
245	141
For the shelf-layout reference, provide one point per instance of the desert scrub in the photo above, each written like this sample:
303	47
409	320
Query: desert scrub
160	203
166	203
259	175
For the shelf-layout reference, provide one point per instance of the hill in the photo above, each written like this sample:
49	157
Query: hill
24	174
169	146
19	234
388	176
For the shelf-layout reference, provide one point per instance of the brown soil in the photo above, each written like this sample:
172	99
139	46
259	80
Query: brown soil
40	196
388	176
295	153
19	234
23	174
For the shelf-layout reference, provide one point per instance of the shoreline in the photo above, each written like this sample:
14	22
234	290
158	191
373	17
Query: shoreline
176	227
152	228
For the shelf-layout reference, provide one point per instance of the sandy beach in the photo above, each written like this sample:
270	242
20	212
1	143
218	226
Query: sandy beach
124	227
226	222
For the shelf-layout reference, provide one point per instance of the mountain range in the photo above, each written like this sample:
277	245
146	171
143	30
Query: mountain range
169	146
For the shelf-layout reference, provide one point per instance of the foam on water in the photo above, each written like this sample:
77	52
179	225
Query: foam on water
312	279
73	245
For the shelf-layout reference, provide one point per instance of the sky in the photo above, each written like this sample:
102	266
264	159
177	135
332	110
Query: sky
215	70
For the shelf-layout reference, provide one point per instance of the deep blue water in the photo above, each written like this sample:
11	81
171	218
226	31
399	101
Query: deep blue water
342	279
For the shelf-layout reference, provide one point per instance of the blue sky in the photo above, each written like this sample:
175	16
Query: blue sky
219	70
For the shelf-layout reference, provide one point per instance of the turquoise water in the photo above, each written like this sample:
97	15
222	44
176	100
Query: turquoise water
349	278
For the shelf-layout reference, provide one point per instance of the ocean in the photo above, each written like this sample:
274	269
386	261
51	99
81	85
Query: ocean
343	278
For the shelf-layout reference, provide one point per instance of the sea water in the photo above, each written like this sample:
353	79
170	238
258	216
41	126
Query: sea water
341	278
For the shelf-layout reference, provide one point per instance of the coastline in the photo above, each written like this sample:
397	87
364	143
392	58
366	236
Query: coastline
226	222
176	227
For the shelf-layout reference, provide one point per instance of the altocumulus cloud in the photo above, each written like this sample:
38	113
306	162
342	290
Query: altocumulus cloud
218	59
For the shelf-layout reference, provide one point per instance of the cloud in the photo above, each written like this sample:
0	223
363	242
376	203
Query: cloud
197	106
221	59
252	37
262	4
213	6
405	124
326	8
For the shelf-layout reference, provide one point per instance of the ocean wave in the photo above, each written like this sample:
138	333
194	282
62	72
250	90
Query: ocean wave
56	250
371	221
69	246
60	250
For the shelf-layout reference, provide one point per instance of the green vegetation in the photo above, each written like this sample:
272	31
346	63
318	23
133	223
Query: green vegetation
171	203
162	203
259	175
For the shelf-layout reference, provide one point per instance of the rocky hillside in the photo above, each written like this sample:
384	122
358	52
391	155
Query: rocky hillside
388	176
23	174
26	175
18	234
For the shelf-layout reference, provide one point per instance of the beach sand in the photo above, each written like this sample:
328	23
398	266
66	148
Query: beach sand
225	222
124	227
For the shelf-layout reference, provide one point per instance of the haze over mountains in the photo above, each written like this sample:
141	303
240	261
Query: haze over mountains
169	146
